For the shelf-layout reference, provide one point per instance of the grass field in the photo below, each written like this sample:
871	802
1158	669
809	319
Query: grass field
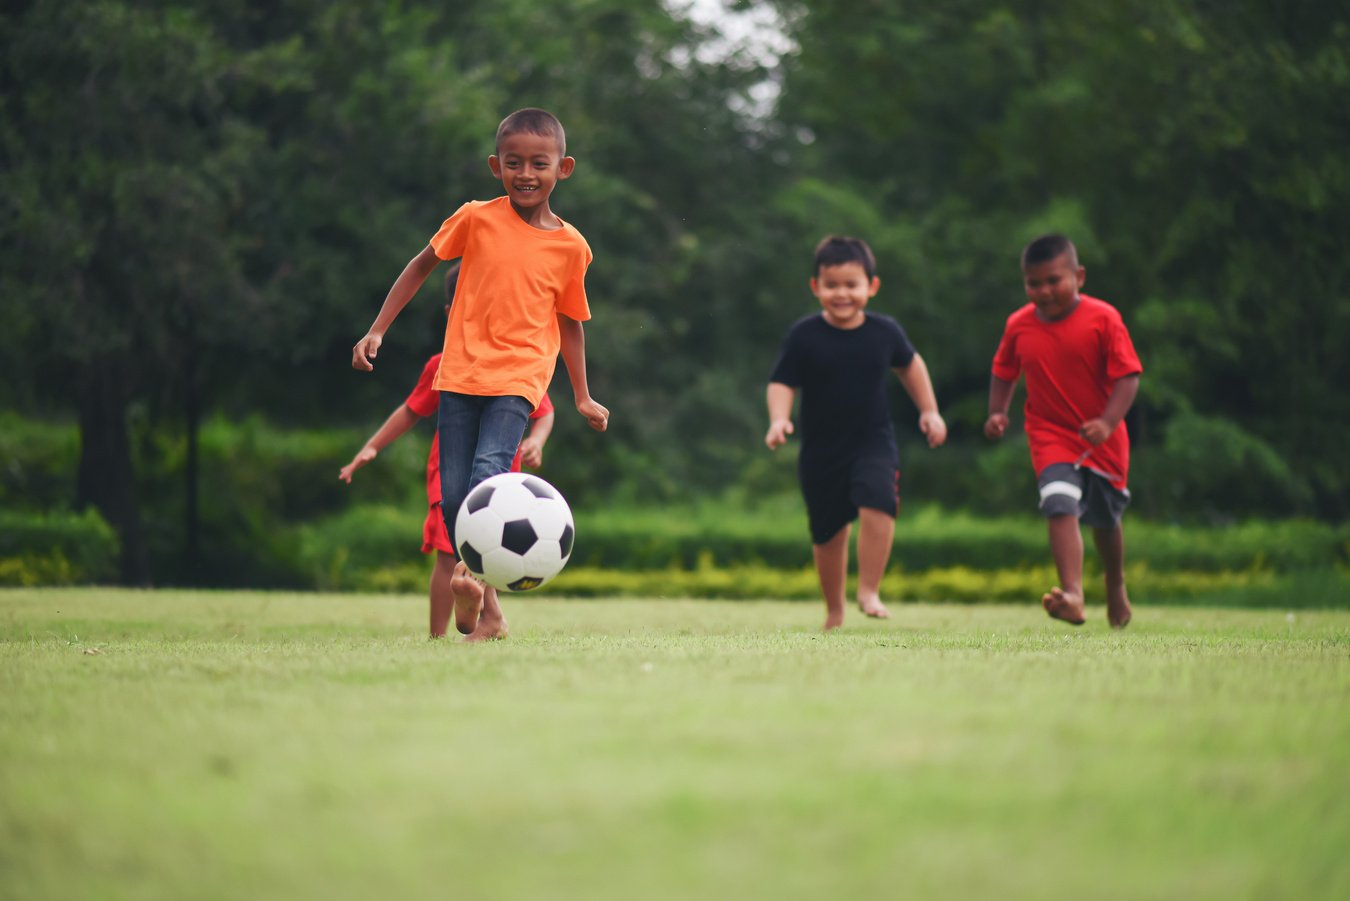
235	745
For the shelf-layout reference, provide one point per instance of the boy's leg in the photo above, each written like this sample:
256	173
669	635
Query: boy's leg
1105	505
491	622
471	595
499	433
457	432
442	599
832	570
876	534
500	428
478	439
1111	546
1065	601
1061	489
467	593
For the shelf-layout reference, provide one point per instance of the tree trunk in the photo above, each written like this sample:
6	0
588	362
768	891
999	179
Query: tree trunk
106	478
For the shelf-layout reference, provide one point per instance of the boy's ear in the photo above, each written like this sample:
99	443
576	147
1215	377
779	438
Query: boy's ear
1082	277
874	286
565	167
815	287
495	165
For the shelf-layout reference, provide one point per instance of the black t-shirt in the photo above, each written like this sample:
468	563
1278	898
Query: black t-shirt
841	375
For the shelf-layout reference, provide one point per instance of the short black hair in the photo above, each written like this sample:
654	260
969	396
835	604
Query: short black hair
1046	248
535	122
835	250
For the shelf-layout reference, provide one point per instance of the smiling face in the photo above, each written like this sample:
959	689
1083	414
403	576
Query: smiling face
1053	285
843	291
529	166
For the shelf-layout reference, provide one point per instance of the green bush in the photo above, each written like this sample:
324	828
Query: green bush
713	553
344	552
1211	469
38	461
257	483
56	548
774	534
1325	588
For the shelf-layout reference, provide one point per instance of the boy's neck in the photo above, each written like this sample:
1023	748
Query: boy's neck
540	217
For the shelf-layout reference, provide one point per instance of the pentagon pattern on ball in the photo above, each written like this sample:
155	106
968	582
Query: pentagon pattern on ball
479	497
472	559
518	536
538	487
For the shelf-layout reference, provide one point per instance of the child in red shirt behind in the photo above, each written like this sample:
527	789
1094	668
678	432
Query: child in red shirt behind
1082	376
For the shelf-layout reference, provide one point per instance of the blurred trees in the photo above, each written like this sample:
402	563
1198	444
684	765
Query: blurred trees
1195	150
205	202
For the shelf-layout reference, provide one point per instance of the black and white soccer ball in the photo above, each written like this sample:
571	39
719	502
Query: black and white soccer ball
514	531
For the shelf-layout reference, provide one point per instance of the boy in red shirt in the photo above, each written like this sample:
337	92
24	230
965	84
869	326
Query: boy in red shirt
1082	377
521	299
422	402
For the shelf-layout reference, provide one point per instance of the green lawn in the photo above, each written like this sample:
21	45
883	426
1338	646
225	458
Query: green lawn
259	745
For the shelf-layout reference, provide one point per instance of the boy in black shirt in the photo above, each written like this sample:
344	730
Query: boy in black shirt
849	464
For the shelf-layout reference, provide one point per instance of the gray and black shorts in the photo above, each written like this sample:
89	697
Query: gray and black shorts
1069	490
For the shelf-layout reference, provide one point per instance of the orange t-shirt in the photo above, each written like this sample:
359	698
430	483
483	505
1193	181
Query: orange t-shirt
502	336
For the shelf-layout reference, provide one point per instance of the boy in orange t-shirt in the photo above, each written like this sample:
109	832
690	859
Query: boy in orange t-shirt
521	299
422	402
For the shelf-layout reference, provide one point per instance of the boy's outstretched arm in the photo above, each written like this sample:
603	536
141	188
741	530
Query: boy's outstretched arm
919	387
532	445
1000	398
405	286
779	398
394	427
1118	404
574	357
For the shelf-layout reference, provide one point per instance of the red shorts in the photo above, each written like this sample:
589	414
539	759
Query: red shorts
434	536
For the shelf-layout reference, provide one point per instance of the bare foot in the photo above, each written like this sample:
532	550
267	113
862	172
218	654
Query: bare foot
1118	611
488	629
468	593
1062	605
833	620
874	607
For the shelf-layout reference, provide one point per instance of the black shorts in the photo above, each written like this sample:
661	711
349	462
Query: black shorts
834	492
1069	490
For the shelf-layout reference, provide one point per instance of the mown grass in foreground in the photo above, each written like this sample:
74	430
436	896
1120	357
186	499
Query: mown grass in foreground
231	745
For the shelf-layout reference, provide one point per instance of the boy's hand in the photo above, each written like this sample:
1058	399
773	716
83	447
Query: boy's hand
595	414
995	426
365	455
933	427
365	351
531	452
1095	431
776	437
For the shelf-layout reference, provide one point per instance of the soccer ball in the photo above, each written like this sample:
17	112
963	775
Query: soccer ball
514	531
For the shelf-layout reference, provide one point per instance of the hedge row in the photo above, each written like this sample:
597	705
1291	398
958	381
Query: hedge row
1326	588
56	548
376	547
372	538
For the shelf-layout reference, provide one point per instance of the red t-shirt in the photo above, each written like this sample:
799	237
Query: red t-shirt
1071	366
425	400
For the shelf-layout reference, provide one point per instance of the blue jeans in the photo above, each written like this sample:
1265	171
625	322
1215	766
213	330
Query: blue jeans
478	437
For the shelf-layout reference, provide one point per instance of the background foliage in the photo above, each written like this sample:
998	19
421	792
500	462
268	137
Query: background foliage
204	203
